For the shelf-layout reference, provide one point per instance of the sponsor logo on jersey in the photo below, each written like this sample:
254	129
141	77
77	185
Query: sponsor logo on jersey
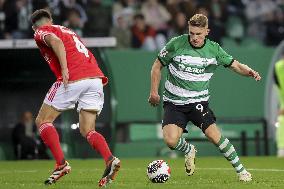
189	69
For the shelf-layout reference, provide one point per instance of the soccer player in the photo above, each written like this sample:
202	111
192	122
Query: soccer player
79	80
279	80
191	61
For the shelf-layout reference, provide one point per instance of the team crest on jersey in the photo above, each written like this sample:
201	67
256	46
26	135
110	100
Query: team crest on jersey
163	52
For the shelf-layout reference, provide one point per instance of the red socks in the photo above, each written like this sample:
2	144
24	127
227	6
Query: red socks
98	142
50	137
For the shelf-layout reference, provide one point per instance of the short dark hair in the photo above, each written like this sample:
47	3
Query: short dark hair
39	14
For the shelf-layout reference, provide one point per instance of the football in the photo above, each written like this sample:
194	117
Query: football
158	171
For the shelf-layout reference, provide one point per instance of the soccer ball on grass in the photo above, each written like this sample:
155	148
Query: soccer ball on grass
158	171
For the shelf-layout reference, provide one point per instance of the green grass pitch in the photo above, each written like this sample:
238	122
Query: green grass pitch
211	172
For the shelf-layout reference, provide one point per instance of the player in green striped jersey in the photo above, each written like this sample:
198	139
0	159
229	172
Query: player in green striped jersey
191	60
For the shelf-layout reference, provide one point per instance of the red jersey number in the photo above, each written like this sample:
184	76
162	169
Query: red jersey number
81	47
80	61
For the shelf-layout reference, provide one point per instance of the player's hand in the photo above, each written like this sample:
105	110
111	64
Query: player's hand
255	75
154	99
65	77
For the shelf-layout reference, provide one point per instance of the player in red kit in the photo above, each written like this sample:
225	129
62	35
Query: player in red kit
79	80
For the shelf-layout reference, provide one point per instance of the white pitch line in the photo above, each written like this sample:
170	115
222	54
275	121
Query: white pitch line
252	169
202	168
212	169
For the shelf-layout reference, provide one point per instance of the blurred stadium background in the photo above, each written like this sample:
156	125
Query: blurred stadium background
251	30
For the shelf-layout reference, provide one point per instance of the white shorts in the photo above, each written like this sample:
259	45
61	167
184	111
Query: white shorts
87	93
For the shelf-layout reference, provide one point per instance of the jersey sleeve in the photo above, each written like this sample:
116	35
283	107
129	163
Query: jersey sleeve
166	54
223	58
40	35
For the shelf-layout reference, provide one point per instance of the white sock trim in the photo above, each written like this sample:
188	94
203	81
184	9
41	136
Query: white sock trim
44	126
239	167
231	150
224	144
183	147
243	171
235	160
186	150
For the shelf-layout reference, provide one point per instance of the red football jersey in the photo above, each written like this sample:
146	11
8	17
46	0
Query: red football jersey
81	62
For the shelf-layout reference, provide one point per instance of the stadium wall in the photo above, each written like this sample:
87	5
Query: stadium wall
25	78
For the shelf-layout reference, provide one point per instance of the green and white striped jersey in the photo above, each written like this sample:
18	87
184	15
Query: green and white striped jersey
190	69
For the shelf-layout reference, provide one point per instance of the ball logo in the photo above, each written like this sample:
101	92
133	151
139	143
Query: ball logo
158	171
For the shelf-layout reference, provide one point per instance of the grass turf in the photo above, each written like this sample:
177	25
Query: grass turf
211	172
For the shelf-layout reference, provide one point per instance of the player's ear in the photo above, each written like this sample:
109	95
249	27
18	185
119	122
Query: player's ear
34	28
207	31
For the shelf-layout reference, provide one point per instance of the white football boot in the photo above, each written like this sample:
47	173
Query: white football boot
245	176
110	172
189	161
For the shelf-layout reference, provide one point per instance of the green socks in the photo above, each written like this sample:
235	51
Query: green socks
182	146
230	154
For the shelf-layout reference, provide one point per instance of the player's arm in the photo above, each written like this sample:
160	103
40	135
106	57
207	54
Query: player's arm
154	97
58	48
244	70
164	58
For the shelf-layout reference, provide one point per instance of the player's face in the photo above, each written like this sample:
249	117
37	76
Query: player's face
197	35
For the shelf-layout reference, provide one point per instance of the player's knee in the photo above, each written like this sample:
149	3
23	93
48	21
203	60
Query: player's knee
213	133
170	138
41	120
171	141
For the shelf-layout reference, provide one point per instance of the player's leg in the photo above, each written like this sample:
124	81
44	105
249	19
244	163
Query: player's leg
50	137
173	138
48	133
87	120
203	117
174	123
89	106
228	150
58	98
